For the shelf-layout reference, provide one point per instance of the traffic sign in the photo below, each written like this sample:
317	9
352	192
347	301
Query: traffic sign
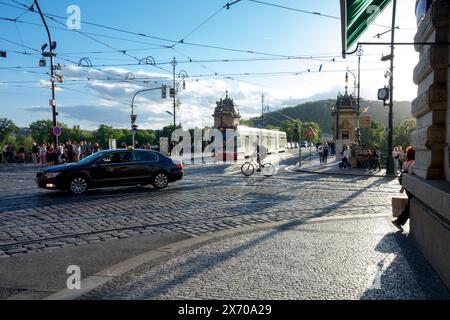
57	131
310	133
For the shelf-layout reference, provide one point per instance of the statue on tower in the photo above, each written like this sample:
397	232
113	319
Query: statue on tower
226	115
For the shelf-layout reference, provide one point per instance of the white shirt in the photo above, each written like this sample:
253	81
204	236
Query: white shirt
346	154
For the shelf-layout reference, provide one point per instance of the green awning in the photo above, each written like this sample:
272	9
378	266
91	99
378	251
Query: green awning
356	16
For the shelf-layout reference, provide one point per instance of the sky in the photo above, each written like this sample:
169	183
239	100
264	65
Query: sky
255	41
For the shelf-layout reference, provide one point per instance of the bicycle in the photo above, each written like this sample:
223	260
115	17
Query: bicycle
248	168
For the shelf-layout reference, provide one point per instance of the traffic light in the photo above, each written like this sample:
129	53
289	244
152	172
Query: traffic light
135	127
164	92
3	54
172	92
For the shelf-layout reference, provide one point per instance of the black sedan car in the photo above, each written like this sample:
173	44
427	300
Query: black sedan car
112	168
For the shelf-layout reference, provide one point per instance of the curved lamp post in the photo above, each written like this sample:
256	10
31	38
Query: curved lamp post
183	75
134	116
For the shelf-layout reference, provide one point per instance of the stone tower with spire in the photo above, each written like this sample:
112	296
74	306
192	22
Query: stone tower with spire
226	115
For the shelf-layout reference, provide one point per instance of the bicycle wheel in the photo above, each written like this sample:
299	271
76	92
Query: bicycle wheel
247	169
268	170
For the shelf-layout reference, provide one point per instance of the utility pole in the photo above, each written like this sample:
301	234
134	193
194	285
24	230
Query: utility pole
262	111
174	64
358	134
134	116
390	163
52	55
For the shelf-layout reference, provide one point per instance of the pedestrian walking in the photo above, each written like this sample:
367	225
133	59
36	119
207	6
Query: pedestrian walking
320	151
406	169
21	154
35	154
326	151
377	159
89	149
5	153
12	154
76	152
345	157
43	155
368	160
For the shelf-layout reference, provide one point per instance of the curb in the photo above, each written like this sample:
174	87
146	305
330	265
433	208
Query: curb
295	169
108	274
101	278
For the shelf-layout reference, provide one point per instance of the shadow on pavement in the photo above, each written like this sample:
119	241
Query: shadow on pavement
197	265
408	276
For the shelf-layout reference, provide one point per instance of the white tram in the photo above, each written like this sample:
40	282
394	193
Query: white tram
245	140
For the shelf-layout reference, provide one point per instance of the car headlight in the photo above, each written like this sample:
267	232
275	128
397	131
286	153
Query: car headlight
51	175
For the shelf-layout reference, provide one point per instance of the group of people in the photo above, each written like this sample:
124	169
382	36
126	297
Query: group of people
372	159
325	150
69	152
9	154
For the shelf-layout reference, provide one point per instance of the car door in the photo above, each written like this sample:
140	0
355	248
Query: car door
146	163
114	168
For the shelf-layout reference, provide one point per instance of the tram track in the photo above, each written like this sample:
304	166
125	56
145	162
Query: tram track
250	217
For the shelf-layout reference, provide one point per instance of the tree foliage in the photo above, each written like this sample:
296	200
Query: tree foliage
402	133
374	136
7	127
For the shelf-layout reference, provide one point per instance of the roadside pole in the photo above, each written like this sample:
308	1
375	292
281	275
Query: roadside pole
300	144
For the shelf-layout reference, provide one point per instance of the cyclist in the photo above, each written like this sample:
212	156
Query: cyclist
260	154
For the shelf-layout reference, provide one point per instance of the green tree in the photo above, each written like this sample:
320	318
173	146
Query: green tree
103	134
402	133
7	127
247	123
40	131
374	136
288	127
271	127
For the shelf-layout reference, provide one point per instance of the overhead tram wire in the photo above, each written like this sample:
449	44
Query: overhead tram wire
199	26
169	40
107	45
307	12
63	59
306	57
156	46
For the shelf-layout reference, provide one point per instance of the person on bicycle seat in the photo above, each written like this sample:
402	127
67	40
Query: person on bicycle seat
260	153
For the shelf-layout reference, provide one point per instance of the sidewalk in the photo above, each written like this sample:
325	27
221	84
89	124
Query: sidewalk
332	167
341	258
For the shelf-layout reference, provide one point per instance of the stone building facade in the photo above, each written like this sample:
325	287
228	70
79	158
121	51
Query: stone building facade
226	115
344	123
345	112
430	184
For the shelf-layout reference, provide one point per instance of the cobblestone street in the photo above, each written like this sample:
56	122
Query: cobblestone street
216	198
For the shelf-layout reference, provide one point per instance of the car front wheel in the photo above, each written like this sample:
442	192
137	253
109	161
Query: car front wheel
78	185
160	180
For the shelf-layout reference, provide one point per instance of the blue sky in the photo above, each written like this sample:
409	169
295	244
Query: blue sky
247	26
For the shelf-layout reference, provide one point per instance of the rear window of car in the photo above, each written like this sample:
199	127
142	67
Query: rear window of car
118	157
144	156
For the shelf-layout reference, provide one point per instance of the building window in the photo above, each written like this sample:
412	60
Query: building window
345	135
421	9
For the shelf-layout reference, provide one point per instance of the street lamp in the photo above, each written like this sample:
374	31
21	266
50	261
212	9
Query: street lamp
174	64
51	54
134	116
183	75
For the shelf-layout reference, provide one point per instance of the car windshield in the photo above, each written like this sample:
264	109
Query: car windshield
93	157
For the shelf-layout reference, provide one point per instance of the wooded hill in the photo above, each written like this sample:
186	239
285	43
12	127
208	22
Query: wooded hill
320	112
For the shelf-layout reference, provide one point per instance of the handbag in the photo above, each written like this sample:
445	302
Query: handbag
398	206
400	179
